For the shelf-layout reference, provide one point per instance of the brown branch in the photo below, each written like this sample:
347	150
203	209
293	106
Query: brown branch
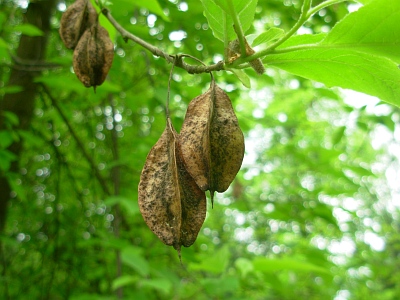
89	158
192	69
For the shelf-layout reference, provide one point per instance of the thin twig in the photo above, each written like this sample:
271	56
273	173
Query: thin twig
192	69
169	88
89	158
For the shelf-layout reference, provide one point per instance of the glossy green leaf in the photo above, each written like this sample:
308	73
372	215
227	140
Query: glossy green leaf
3	43
11	89
220	20
373	29
271	34
337	137
159	284
152	5
360	53
6	138
244	265
289	264
242	76
130	206
345	68
221	286
6	157
123	281
28	29
216	263
133	258
11	118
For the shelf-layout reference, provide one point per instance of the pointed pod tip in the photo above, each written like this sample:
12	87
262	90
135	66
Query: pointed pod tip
177	247
212	198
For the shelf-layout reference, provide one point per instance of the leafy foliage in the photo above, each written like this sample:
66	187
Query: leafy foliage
311	215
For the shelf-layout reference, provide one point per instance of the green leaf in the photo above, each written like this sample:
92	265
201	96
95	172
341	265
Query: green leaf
6	157
374	29
216	263
364	1
160	284
220	286
273	265
216	11
349	69
303	39
123	281
267	36
132	257
129	205
6	139
152	5
66	82
29	138
11	118
11	89
242	76
337	136
244	265
28	29
3	43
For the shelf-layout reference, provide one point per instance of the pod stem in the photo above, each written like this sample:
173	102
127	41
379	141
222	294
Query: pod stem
169	87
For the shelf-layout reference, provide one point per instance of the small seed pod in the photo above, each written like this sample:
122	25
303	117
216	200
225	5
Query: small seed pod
212	142
171	203
234	53
75	20
93	56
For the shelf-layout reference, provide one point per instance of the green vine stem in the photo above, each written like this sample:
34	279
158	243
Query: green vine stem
306	13
237	27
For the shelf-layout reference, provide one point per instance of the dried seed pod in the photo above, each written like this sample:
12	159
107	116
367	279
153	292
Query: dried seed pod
226	141
75	20
171	203
193	202
195	139
93	56
212	141
234	53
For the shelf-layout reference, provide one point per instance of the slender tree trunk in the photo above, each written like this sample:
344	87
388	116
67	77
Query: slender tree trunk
31	51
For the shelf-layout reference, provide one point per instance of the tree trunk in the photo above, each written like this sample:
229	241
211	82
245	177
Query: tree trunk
31	50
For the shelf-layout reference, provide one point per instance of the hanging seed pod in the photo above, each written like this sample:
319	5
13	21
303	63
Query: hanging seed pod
75	20
234	53
171	203
226	141
93	56
212	141
193	202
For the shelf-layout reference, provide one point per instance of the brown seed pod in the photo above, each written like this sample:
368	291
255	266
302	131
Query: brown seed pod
171	203
193	202
93	56
212	141
75	20
234	53
227	142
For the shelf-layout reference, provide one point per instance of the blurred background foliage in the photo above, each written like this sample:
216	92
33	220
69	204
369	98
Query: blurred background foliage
313	213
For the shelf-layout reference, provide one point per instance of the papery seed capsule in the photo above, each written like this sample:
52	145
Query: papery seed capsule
93	56
170	201
212	141
75	20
